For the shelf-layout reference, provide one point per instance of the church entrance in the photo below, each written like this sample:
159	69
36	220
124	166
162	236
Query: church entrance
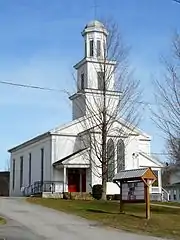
76	180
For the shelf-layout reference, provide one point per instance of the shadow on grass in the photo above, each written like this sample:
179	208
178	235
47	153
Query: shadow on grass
100	211
164	210
113	213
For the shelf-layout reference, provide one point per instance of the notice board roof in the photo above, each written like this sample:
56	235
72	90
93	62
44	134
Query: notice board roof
135	174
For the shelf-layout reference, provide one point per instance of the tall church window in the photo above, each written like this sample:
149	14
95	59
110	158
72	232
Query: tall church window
29	168
91	47
100	77
21	171
82	81
110	160
85	46
120	155
13	173
98	48
42	165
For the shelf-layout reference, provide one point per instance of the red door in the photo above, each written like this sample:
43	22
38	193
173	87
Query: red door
73	180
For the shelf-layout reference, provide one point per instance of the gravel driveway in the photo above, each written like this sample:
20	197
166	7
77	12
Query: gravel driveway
32	222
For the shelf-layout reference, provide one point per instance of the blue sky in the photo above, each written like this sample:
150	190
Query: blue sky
41	40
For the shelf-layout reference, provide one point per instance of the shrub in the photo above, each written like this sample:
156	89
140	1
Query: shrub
97	191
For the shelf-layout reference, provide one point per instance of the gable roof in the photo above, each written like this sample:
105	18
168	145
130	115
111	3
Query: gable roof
134	128
152	159
32	140
71	123
42	136
68	156
134	174
69	160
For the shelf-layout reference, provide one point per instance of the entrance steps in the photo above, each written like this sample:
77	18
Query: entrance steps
78	196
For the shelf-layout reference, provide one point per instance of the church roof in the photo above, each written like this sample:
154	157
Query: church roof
133	129
56	130
95	23
94	26
32	140
69	156
152	159
76	158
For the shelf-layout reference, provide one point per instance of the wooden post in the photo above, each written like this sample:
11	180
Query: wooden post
147	199
121	201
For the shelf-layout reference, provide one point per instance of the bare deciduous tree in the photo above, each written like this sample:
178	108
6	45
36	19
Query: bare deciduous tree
112	109
167	94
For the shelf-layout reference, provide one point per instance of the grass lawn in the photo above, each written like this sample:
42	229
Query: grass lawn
176	204
165	222
2	221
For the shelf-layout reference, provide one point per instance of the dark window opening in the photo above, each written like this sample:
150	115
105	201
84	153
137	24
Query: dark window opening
13	172
98	48
21	171
82	81
91	46
29	168
85	49
101	80
42	165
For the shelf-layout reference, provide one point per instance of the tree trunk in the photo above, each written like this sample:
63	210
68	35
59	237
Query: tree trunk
103	188
104	161
104	140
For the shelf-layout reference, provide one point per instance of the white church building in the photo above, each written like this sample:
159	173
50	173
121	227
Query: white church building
58	156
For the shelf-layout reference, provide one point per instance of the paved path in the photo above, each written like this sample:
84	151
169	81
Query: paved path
164	205
42	223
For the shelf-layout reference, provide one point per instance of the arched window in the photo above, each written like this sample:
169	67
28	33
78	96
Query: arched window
110	160
120	155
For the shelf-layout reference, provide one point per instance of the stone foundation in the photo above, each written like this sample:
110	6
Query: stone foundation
77	196
52	195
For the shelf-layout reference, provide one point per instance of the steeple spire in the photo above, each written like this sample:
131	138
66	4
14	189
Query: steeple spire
95	6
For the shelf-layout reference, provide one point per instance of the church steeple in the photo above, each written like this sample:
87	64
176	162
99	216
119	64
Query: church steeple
95	39
95	35
90	71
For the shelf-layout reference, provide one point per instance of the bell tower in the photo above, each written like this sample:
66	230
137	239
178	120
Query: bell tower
89	69
95	37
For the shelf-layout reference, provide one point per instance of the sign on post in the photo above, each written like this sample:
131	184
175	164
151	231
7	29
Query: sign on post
134	186
133	192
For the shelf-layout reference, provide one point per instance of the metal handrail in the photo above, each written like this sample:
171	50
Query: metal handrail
39	187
